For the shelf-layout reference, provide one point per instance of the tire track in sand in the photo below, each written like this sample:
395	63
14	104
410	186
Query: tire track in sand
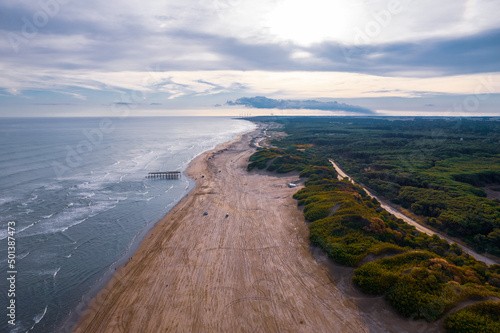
245	273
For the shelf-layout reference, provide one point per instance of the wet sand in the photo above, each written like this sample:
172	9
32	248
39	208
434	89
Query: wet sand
253	271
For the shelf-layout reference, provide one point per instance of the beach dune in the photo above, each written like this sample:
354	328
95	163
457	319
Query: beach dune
248	272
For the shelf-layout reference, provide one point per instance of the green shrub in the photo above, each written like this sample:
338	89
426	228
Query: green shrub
315	211
379	276
383	248
482	317
428	277
338	252
374	279
421	295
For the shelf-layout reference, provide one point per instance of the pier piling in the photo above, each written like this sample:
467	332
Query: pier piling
164	175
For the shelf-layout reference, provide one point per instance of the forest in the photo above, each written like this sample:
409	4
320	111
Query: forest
436	168
439	169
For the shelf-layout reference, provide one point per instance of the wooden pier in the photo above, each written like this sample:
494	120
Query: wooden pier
165	175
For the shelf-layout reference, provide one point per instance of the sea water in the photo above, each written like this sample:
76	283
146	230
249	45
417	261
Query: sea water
76	193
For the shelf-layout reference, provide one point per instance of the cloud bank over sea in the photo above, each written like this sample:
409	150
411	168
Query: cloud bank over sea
261	102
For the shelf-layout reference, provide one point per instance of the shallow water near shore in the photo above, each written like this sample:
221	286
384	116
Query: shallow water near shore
77	192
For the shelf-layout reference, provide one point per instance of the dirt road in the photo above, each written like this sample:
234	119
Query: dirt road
248	272
418	226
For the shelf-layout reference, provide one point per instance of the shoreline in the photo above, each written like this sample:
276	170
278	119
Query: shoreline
90	298
252	271
249	271
73	319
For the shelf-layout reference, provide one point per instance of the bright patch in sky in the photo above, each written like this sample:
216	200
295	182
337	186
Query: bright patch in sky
313	21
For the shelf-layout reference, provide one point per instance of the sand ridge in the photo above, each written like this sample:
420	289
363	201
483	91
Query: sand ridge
249	272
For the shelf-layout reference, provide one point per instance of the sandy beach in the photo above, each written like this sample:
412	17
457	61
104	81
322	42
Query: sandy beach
249	272
253	271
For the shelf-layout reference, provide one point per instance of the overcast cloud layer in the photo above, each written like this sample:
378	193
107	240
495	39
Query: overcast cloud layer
261	102
195	54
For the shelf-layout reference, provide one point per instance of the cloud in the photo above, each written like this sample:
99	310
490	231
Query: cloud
260	102
204	50
190	51
432	57
227	35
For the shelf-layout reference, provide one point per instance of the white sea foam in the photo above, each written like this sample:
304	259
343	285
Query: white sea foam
30	200
53	187
120	199
71	216
48	216
74	224
19	327
23	255
23	229
38	318
153	160
82	183
27	227
87	195
35	223
5	200
46	272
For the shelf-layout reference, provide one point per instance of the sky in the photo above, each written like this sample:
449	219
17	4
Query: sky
225	57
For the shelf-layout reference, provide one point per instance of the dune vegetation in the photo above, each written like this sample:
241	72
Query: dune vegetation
421	276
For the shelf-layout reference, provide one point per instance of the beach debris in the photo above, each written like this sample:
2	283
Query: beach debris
206	213
227	215
292	185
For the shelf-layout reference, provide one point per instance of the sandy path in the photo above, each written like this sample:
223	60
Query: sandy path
250	272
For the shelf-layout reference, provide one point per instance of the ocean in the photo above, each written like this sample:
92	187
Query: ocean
75	194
